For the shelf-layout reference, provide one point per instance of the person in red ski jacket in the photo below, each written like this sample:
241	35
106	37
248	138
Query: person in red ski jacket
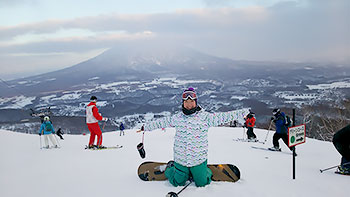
92	118
250	123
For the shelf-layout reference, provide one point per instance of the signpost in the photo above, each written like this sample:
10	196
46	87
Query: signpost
296	136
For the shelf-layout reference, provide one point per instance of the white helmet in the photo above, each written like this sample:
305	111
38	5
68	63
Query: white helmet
46	118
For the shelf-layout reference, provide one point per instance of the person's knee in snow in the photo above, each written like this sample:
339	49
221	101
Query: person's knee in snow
177	174
201	174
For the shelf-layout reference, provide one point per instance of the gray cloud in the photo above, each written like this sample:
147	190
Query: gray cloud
317	30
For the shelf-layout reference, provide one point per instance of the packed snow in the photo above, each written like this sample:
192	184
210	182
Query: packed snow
27	170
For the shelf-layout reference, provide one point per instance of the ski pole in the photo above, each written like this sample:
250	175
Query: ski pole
268	131
41	147
322	170
243	133
173	194
42	132
104	124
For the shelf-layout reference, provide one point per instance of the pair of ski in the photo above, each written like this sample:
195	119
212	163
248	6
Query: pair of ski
248	140
50	147
104	148
273	149
269	149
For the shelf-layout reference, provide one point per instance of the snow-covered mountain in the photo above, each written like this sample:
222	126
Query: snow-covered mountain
124	62
27	170
132	80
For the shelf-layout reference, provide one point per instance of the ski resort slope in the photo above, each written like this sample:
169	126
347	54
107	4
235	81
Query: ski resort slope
27	170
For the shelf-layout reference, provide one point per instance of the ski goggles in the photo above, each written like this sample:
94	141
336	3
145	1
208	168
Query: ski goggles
189	95
274	112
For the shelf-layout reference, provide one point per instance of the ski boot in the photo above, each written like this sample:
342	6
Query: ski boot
163	168
101	147
169	164
275	148
91	146
343	170
253	139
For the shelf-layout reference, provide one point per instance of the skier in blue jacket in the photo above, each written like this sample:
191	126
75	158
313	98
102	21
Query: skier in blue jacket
279	118
48	131
121	127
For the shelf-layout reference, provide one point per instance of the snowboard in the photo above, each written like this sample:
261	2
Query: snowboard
154	171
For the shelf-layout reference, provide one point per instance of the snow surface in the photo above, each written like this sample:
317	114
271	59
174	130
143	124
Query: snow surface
71	96
291	95
334	85
27	170
18	102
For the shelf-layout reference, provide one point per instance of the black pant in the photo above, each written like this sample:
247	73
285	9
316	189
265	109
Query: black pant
250	133
341	141
284	137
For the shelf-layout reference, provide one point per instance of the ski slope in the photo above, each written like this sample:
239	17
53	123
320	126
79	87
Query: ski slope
28	171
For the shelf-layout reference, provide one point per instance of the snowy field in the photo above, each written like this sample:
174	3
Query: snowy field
28	171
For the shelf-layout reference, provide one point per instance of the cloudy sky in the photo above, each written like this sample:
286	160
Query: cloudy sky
37	36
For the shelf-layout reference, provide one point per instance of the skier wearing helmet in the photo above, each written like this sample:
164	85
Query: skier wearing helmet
249	123
279	118
47	130
191	139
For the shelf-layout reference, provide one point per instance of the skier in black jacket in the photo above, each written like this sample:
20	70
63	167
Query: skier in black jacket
341	141
121	127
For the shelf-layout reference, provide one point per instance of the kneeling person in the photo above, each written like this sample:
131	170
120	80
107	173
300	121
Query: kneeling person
191	140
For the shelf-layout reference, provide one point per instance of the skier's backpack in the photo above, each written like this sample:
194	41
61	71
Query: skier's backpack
289	121
48	126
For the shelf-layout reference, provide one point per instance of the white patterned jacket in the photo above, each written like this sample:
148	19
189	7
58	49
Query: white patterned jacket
191	137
